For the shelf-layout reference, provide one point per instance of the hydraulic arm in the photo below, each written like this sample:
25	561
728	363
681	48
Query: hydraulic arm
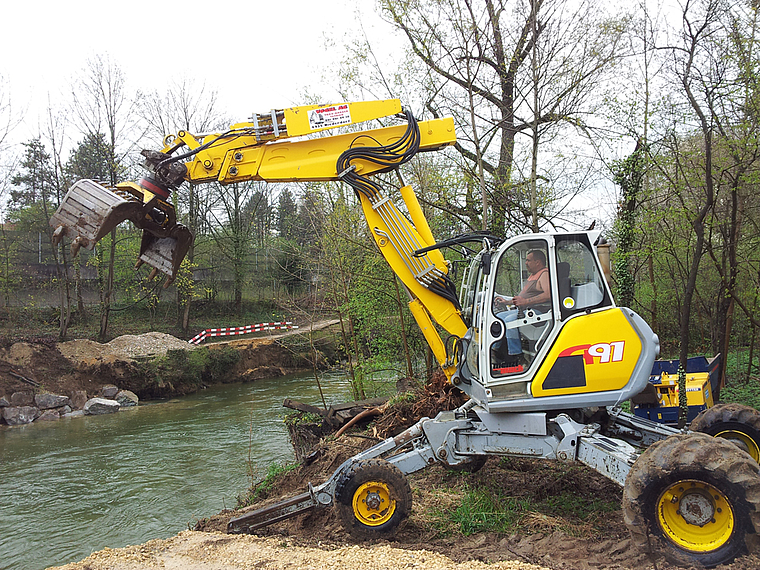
273	147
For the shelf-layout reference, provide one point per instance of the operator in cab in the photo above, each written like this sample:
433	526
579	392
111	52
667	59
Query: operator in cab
536	294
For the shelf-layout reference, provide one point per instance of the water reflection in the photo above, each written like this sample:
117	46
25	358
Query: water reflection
74	486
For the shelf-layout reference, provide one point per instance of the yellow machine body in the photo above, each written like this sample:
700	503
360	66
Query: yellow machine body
597	352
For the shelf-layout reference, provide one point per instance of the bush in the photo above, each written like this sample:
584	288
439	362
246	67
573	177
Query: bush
192	367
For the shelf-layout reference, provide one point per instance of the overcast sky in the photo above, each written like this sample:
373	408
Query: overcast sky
258	55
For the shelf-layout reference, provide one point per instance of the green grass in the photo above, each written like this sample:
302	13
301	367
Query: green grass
192	367
744	393
126	318
478	511
261	489
567	504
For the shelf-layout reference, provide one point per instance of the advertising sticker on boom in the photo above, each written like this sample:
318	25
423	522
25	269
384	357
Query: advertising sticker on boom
332	116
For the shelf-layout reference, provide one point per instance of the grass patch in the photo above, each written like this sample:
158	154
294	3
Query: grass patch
293	418
261	489
747	393
570	505
523	495
477	510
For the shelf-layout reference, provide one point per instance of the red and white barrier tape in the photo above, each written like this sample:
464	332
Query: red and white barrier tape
230	331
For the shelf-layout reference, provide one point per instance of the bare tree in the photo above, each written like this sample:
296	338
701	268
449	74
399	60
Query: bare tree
708	155
473	60
103	105
8	120
193	108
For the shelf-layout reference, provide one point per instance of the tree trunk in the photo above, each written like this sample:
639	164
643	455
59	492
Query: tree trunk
105	309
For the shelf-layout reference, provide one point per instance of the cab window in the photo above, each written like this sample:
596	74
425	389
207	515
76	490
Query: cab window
521	302
580	284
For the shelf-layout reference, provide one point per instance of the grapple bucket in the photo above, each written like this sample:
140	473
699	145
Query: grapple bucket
165	254
90	211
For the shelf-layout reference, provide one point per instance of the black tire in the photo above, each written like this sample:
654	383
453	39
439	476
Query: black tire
474	465
373	497
737	423
716	484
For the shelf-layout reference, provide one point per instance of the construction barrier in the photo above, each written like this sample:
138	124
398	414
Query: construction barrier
230	331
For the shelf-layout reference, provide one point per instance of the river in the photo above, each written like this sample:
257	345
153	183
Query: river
77	485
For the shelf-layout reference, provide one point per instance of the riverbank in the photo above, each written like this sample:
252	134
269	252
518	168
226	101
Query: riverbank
152	366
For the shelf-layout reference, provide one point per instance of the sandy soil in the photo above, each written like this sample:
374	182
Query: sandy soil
213	551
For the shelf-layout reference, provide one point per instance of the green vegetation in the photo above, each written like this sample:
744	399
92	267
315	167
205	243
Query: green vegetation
479	510
260	490
294	418
192	367
474	504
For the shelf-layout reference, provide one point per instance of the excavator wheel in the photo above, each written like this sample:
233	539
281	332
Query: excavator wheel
736	423
694	499
373	497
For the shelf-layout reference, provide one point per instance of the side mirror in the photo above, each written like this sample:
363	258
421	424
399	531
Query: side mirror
485	262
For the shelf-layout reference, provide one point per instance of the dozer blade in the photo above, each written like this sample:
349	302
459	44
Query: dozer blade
270	515
90	211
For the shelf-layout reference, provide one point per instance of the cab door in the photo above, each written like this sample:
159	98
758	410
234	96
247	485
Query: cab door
515	335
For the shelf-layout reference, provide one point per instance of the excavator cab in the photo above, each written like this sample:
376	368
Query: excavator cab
571	348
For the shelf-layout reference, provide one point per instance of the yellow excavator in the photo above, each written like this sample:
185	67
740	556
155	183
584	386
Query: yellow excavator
531	334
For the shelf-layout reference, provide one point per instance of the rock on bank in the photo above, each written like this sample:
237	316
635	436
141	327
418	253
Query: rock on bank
206	551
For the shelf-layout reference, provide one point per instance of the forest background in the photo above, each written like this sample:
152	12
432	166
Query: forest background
561	107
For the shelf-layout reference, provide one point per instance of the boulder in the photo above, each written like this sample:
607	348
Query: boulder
4	403
19	399
127	399
18	415
74	414
49	415
78	399
109	391
98	406
48	401
64	410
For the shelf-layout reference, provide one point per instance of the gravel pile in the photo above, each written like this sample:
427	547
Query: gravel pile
148	344
205	551
125	347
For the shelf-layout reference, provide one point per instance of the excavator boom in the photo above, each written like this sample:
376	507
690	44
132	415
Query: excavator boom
284	146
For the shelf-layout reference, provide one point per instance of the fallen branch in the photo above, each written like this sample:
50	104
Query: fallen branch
24	379
357	418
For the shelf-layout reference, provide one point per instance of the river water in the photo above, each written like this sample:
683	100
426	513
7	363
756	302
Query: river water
75	486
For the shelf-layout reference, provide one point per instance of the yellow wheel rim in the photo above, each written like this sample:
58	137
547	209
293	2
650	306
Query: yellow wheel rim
695	516
372	503
743	441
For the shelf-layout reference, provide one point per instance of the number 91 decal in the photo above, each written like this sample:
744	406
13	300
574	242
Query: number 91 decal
606	352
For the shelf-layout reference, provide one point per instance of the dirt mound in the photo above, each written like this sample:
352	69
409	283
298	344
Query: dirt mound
148	344
125	347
